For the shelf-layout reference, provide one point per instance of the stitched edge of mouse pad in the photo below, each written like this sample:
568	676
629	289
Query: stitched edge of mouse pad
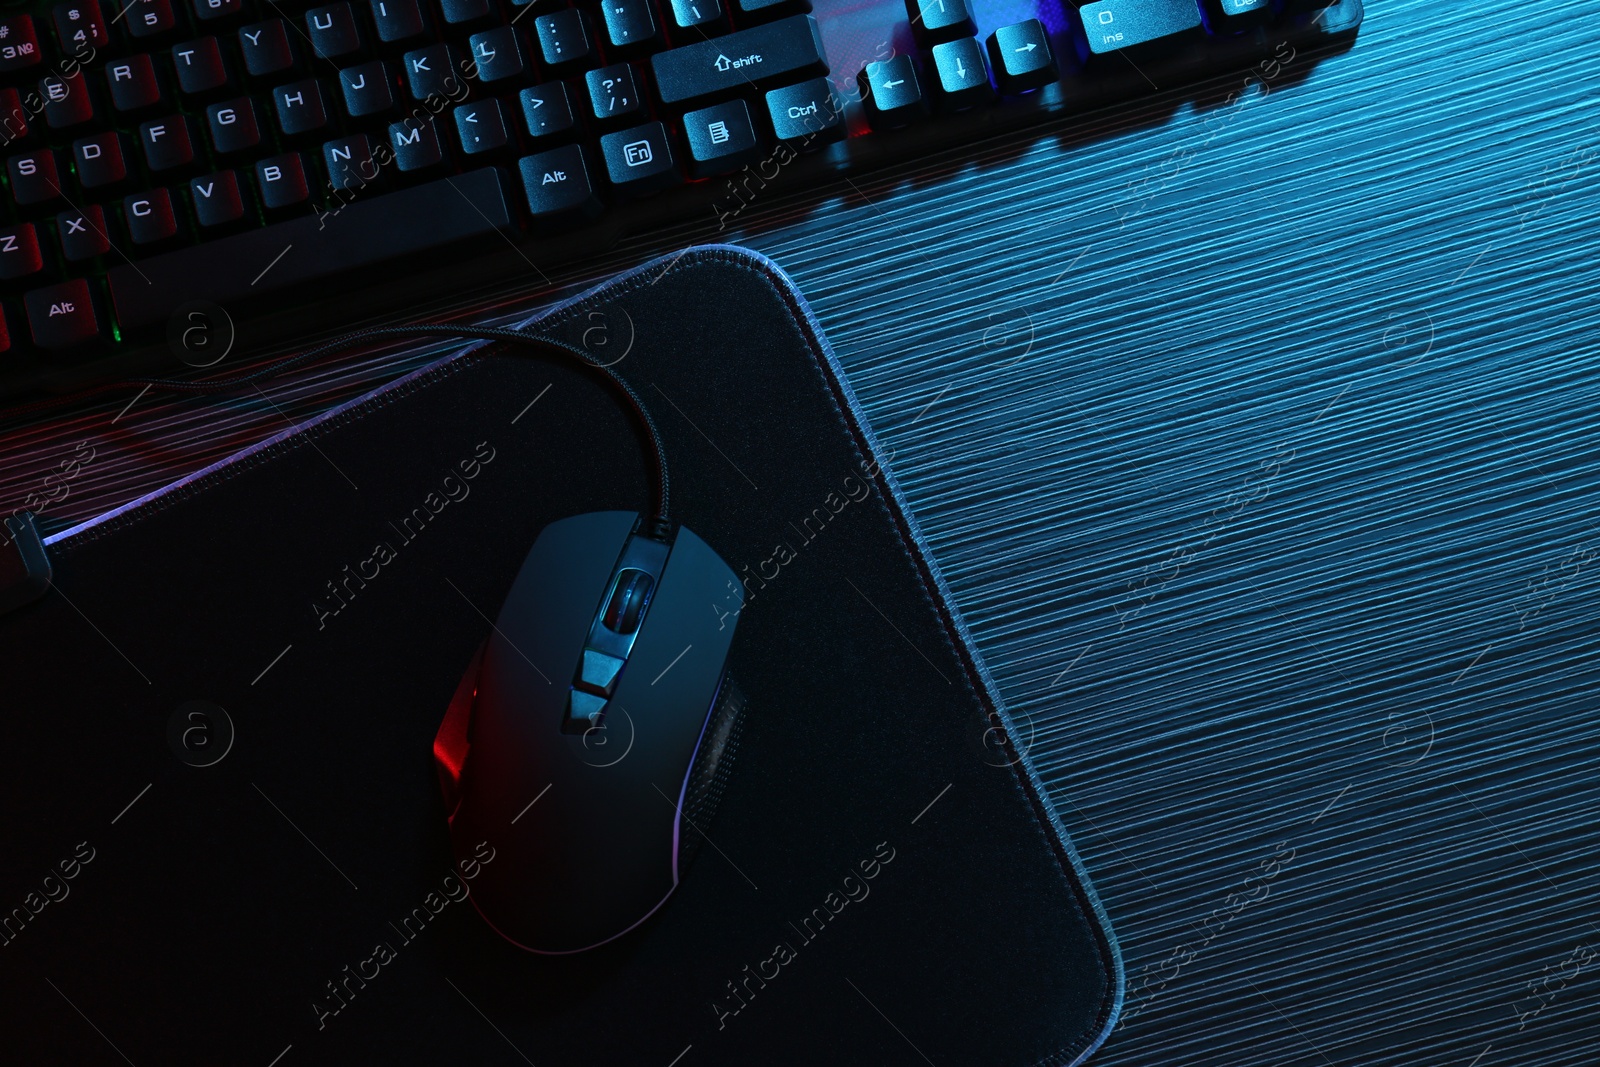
934	589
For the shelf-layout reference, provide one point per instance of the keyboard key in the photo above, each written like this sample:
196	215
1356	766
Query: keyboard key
416	145
564	39
132	83
150	217
639	160
5	330
210	10
350	163
19	44
808	115
266	48
147	19
19	251
368	89
702	14
546	110
497	54
1133	28
301	107
933	21
558	188
614	94
101	160
199	65
83	233
721	139
960	79
167	144
434	72
333	31
67	101
450	216
63	316
773	8
13	118
630	24
891	93
80	27
35	178
462	12
1021	58
786	49
481	126
398	20
233	125
217	199
282	181
1236	16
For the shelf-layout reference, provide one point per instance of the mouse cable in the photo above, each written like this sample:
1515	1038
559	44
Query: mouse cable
633	406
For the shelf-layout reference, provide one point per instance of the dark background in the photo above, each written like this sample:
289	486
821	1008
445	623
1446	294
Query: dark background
1255	441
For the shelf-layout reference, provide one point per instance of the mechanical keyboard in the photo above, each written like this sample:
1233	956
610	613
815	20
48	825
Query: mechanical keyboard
295	168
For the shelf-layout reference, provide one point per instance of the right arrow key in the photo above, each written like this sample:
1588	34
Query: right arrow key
1021	57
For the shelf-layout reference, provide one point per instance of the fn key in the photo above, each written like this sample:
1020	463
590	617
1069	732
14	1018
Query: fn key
63	316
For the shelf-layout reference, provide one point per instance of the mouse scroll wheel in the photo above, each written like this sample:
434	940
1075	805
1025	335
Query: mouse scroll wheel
628	599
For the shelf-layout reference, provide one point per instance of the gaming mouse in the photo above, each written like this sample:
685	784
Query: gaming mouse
586	749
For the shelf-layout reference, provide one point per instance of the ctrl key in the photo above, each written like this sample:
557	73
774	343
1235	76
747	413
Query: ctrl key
63	316
558	187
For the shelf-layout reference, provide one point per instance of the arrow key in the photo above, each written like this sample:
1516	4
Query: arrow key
933	21
891	93
960	79
1021	58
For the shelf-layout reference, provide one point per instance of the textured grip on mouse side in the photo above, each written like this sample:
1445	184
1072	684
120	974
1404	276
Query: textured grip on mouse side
708	776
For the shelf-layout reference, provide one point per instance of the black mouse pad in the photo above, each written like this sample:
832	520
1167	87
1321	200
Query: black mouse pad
271	883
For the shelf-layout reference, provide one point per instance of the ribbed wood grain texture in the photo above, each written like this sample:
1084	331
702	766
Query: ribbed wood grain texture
1256	441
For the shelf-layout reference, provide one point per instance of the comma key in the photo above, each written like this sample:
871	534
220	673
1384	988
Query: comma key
559	190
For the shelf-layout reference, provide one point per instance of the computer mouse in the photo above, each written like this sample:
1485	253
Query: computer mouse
588	745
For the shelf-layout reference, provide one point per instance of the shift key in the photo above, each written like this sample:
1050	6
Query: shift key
786	50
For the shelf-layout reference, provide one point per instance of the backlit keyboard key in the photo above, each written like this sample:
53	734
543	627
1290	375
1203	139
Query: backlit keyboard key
19	44
63	316
1021	58
933	21
960	79
639	160
83	233
808	115
1131	28
558	188
150	217
721	139
19	251
546	110
891	93
788	49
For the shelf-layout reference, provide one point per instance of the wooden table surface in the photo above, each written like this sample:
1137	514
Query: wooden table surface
1256	443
